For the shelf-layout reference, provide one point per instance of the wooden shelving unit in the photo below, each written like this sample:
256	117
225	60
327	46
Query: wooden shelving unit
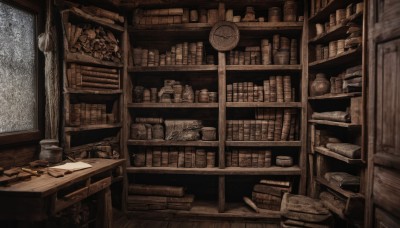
321	159
347	58
110	101
164	36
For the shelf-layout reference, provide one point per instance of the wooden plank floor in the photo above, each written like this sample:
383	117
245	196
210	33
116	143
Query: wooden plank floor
121	221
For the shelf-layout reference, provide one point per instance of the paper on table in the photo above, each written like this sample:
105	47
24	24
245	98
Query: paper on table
73	166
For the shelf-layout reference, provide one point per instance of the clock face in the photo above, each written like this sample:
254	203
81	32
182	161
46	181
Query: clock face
224	36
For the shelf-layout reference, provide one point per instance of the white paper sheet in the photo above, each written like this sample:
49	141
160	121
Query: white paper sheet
73	166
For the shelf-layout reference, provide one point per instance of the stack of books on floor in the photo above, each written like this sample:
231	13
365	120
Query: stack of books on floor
157	197
303	211
268	194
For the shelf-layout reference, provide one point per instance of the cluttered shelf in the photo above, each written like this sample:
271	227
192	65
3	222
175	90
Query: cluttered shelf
274	170
345	58
324	12
209	209
85	17
337	31
86	59
341	191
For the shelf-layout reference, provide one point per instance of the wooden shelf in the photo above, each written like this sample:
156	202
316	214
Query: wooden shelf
263	104
336	32
209	210
330	96
174	68
187	27
296	68
92	19
343	192
269	26
329	153
263	143
274	170
173	170
333	123
92	91
173	105
331	7
172	143
344	59
86	59
92	127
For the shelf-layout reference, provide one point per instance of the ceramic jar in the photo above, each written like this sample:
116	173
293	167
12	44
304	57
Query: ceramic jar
188	94
320	85
203	96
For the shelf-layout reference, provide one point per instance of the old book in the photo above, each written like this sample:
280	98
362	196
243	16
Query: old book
181	157
173	157
272	190
345	149
149	157
279	89
261	158
287	115
278	125
276	183
188	157
228	158
287	89
235	158
273	89
157	157
254	159
267	91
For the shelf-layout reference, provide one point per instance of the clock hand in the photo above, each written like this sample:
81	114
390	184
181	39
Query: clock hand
220	35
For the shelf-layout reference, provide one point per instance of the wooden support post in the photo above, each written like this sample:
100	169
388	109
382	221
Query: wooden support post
304	101
125	114
221	193
222	108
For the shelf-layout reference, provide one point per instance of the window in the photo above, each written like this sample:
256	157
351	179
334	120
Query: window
19	100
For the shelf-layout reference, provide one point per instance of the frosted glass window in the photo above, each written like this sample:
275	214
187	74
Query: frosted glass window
18	79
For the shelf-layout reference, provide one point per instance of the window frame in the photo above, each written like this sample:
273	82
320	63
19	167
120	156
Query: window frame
26	136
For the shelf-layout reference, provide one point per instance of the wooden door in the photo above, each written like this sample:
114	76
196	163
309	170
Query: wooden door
383	189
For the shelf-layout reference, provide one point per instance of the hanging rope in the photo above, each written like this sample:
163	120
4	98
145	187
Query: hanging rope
48	45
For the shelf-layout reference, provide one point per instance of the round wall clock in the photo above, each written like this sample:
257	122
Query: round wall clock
224	36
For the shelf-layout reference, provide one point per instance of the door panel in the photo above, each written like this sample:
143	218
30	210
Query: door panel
387	105
387	10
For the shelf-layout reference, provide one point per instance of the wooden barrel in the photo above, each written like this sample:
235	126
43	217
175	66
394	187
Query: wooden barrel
274	14
290	11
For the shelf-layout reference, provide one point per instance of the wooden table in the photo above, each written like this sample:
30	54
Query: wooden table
43	196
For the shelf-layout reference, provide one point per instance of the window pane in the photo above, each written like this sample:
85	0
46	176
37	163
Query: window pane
18	100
